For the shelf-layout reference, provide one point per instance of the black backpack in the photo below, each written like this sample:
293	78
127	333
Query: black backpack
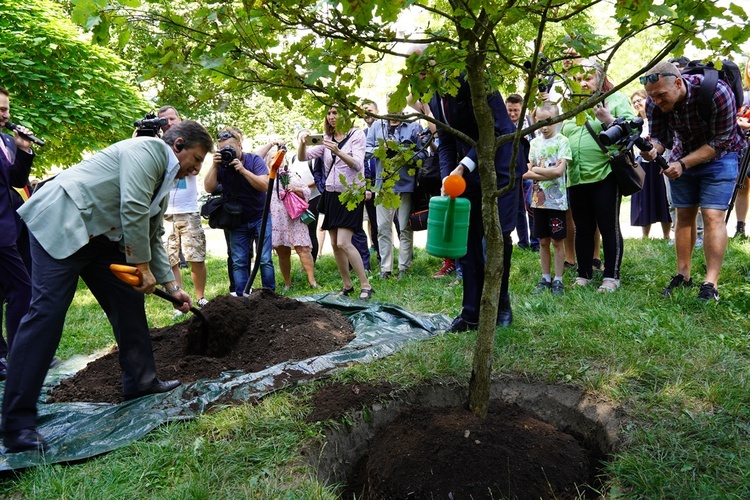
729	73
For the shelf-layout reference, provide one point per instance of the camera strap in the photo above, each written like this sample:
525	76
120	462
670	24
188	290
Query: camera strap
596	138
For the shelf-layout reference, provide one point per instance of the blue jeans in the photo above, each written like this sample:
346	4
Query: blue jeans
240	241
709	185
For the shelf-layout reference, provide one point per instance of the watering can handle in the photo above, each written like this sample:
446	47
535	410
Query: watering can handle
449	220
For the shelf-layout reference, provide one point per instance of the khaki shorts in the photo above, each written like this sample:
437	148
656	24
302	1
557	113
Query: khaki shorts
185	230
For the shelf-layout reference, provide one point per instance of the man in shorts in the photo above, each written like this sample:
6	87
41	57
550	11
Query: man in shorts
702	166
182	222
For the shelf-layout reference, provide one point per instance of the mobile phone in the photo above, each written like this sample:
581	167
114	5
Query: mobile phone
314	140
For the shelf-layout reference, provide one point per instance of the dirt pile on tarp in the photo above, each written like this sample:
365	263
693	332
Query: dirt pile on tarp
245	335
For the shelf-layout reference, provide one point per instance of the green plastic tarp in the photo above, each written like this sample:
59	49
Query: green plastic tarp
76	431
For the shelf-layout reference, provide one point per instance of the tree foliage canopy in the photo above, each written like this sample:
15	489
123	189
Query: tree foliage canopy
72	94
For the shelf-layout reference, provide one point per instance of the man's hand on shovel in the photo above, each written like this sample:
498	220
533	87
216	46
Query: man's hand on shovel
141	278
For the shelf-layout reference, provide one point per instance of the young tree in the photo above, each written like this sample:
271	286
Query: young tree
69	92
288	49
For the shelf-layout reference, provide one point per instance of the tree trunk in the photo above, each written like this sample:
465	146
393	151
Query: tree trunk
479	384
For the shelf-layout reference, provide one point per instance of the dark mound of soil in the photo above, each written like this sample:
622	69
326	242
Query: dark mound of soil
447	452
247	335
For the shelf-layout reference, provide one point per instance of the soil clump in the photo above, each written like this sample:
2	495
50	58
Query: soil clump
246	333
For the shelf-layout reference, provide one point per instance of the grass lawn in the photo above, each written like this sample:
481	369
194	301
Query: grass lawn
680	369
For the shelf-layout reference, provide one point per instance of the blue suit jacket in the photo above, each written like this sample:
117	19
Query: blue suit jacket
452	150
12	174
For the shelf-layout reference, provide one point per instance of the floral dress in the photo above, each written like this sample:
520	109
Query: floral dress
288	232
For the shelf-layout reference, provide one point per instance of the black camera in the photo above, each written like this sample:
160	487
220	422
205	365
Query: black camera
228	155
149	126
620	131
628	134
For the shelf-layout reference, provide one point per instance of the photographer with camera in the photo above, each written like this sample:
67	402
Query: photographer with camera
594	194
244	178
702	165
183	223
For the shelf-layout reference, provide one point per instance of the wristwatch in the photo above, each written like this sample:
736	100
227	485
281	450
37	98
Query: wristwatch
170	291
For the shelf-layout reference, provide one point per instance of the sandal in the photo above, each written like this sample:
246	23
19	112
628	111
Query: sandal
345	292
609	285
580	282
366	293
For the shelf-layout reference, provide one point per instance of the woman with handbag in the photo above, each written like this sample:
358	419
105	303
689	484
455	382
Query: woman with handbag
288	202
343	155
594	193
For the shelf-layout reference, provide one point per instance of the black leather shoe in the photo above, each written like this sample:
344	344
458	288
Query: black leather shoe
461	325
24	440
157	388
504	312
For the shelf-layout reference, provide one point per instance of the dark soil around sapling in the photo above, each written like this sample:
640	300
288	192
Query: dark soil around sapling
245	333
447	452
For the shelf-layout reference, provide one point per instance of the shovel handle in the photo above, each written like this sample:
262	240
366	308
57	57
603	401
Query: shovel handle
133	276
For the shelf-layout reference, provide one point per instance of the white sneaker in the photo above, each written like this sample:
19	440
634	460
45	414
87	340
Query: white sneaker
233	294
202	302
177	314
698	243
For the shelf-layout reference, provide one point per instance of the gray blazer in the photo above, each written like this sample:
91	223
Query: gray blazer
120	192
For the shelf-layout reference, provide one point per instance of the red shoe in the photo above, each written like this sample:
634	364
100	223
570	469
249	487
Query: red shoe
449	267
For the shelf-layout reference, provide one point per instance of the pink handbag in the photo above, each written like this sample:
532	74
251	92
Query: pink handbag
295	206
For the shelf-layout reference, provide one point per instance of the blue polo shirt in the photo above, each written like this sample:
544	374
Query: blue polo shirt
235	186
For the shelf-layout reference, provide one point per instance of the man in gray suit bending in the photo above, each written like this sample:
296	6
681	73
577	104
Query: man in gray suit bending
106	210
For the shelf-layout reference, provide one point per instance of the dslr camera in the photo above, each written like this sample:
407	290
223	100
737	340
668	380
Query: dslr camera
621	130
149	126
628	134
228	155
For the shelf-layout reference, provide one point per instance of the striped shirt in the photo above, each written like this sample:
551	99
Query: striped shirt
684	129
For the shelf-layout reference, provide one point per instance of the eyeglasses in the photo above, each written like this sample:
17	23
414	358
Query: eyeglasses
223	136
654	77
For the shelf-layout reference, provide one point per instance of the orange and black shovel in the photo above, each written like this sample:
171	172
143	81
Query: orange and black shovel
133	277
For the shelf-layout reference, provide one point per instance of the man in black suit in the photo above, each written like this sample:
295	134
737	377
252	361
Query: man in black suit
16	158
458	157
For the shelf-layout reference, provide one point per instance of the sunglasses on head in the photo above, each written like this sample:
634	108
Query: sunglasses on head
225	135
654	77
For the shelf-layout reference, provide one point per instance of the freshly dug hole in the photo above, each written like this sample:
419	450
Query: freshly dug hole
246	335
538	441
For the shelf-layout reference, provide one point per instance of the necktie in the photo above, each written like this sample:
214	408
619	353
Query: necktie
5	150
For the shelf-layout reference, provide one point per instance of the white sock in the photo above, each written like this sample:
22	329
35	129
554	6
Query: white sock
558	278
546	277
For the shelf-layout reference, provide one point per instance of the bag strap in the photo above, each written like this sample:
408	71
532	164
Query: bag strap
596	138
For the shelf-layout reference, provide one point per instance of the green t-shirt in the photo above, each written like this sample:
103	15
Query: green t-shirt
589	163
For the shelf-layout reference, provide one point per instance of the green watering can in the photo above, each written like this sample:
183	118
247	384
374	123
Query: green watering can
448	221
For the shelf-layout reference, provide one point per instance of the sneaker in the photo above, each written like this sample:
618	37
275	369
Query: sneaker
570	266
678	280
176	314
740	234
708	291
558	288
698	243
449	267
202	302
542	287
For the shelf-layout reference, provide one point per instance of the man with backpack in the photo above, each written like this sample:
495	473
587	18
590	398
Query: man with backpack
696	119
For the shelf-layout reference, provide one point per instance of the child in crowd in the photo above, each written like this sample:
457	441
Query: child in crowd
549	202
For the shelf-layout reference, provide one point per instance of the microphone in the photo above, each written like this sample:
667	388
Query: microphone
14	127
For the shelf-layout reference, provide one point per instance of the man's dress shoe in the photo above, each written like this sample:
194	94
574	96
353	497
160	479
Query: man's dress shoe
461	325
157	388
24	440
